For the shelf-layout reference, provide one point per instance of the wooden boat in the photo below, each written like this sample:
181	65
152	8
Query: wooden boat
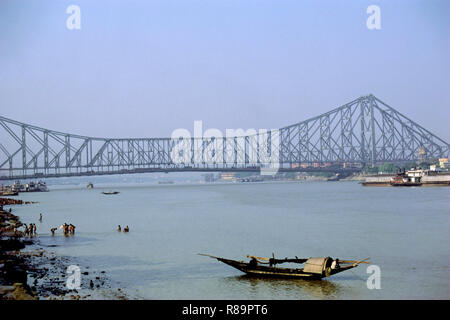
110	192
315	268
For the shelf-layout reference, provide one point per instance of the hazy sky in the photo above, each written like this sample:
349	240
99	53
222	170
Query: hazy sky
145	68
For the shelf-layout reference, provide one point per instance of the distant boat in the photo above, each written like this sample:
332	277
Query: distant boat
110	192
315	268
90	185
403	180
165	182
9	193
32	186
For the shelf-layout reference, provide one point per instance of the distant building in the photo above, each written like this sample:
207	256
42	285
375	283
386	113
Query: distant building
422	153
444	163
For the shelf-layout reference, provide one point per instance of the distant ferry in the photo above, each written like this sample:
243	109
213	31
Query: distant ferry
29	187
403	180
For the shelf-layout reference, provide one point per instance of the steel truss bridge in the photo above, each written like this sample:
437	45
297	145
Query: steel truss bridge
363	131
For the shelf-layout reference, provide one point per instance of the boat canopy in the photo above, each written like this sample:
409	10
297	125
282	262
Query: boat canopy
317	265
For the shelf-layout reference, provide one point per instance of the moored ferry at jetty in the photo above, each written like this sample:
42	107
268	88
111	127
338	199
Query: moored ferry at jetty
32	186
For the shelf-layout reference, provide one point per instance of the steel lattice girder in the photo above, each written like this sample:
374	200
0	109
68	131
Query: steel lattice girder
365	130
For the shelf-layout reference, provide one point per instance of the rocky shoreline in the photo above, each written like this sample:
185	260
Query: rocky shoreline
28	272
13	268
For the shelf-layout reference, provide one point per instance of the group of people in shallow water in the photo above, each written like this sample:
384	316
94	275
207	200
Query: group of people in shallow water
30	230
68	229
126	229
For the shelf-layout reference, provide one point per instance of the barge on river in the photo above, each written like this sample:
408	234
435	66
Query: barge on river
410	178
315	268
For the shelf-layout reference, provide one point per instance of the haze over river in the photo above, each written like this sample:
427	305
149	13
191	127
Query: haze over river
404	231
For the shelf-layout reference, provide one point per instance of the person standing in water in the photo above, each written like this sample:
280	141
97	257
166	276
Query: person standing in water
40	217
126	229
119	228
53	231
65	229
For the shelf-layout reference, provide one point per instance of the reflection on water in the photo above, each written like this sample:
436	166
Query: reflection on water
312	289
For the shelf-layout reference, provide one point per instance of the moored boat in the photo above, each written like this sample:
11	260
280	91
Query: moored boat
315	268
401	179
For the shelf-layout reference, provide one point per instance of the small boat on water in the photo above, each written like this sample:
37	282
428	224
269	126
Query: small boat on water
110	192
315	268
166	182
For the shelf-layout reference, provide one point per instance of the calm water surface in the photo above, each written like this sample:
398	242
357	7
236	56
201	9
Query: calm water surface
405	231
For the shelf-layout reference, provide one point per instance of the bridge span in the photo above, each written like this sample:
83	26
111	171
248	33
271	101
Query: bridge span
363	131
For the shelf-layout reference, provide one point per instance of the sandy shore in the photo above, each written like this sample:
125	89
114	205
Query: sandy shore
28	272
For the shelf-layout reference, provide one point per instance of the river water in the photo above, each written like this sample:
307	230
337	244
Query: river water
404	231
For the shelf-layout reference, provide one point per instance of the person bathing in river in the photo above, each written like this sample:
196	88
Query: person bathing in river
26	230
119	228
126	229
34	229
72	229
53	231
65	228
40	217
